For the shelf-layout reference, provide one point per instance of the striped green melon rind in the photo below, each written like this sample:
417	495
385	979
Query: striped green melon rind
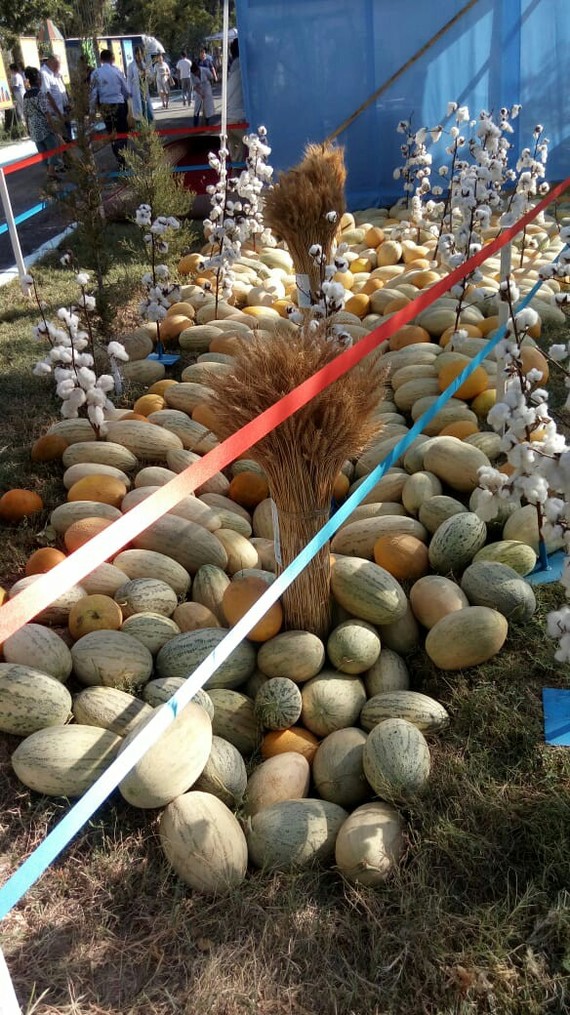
38	646
64	760
488	583
234	719
396	759
82	469
298	655
278	703
153	630
455	462
141	595
358	538
194	436
210	583
102	452
150	564
511	552
30	700
172	763
73	430
111	659
424	712
338	771
224	774
186	542
190	508
204	843
109	708
353	646
186	395
367	591
58	611
156	692
469	637
148	444
294	833
74	511
389	673
456	541
184	653
438	509
331	702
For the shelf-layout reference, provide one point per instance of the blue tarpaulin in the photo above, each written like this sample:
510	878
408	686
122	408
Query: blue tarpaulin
308	64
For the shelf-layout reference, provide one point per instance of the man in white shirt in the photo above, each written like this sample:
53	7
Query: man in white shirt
110	94
18	90
184	68
53	87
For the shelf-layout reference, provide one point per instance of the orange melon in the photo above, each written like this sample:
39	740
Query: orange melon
409	334
471	329
171	327
532	359
248	489
404	556
48	448
159	387
462	429
294	739
190	263
82	531
228	344
487	325
18	504
94	613
473	386
43	560
98	488
202	413
359	304
371	285
192	616
240	596
183	309
135	415
149	403
341	487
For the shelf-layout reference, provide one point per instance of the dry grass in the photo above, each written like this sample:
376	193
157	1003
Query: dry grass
303	455
296	208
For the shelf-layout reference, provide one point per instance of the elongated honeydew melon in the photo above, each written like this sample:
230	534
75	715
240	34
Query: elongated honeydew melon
76	472
286	776
224	774
147	443
102	452
186	395
140	595
338	771
103	581
111	659
204	843
424	712
194	436
180	656
235	720
396	759
152	629
294	833
74	431
389	673
370	844
64	760
217	500
191	545
298	655
154	475
367	591
66	514
172	763
466	638
110	709
358	539
149	563
389	488
58	611
38	647
190	508
31	700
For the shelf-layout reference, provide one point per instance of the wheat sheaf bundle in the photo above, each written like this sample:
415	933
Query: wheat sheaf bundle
296	208
303	455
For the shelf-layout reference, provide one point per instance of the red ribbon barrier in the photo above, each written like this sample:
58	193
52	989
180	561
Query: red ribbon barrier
48	587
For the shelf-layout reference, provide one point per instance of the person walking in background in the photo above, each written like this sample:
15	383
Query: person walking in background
203	98
53	87
137	83
18	89
110	94
184	68
235	109
37	118
205	60
162	75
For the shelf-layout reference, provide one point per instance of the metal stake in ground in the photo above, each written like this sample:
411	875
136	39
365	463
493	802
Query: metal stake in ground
14	238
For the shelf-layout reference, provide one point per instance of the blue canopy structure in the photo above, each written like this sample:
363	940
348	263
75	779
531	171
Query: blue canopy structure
308	64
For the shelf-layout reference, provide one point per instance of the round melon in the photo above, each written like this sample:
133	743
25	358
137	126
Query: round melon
224	774
370	844
111	659
109	708
389	673
285	776
466	638
456	542
338	771
40	648
353	646
204	843
141	595
396	759
278	703
294	833
31	700
298	655
331	702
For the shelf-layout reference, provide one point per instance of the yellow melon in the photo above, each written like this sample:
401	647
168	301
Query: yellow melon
473	386
149	403
240	596
99	488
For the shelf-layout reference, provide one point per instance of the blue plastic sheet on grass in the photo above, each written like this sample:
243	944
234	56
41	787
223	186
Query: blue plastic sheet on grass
556	705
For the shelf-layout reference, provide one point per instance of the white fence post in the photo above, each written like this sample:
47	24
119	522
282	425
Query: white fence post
224	110
7	205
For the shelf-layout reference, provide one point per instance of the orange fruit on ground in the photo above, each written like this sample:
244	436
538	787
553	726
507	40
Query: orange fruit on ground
135	415
374	236
18	504
190	263
43	560
82	531
228	344
240	596
409	334
248	489
48	448
462	428
404	556
341	487
98	488
192	616
94	613
371	285
183	309
203	414
506	468
473	386
359	304
296	739
532	359
149	403
159	387
171	327
471	329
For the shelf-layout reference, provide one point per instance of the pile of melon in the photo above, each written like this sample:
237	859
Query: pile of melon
297	750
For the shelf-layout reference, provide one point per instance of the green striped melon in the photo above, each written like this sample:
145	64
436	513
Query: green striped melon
153	475
488	583
419	488
210	583
184	653
224	774
367	591
278	703
456	463
66	514
147	443
191	545
156	692
109	708
103	581
466	638
353	646
150	564
203	842
102	452
358	538
172	763
285	776
389	673
194	436
396	759
152	629
298	655
111	659
218	501
403	635
294	833
370	844
73	430
57	612
30	700
37	646
511	552
424	712
456	541
331	702
438	509
338	771
64	760
235	719
139	595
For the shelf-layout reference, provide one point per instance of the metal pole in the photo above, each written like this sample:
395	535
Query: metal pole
503	316
7	205
225	48
8	1000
